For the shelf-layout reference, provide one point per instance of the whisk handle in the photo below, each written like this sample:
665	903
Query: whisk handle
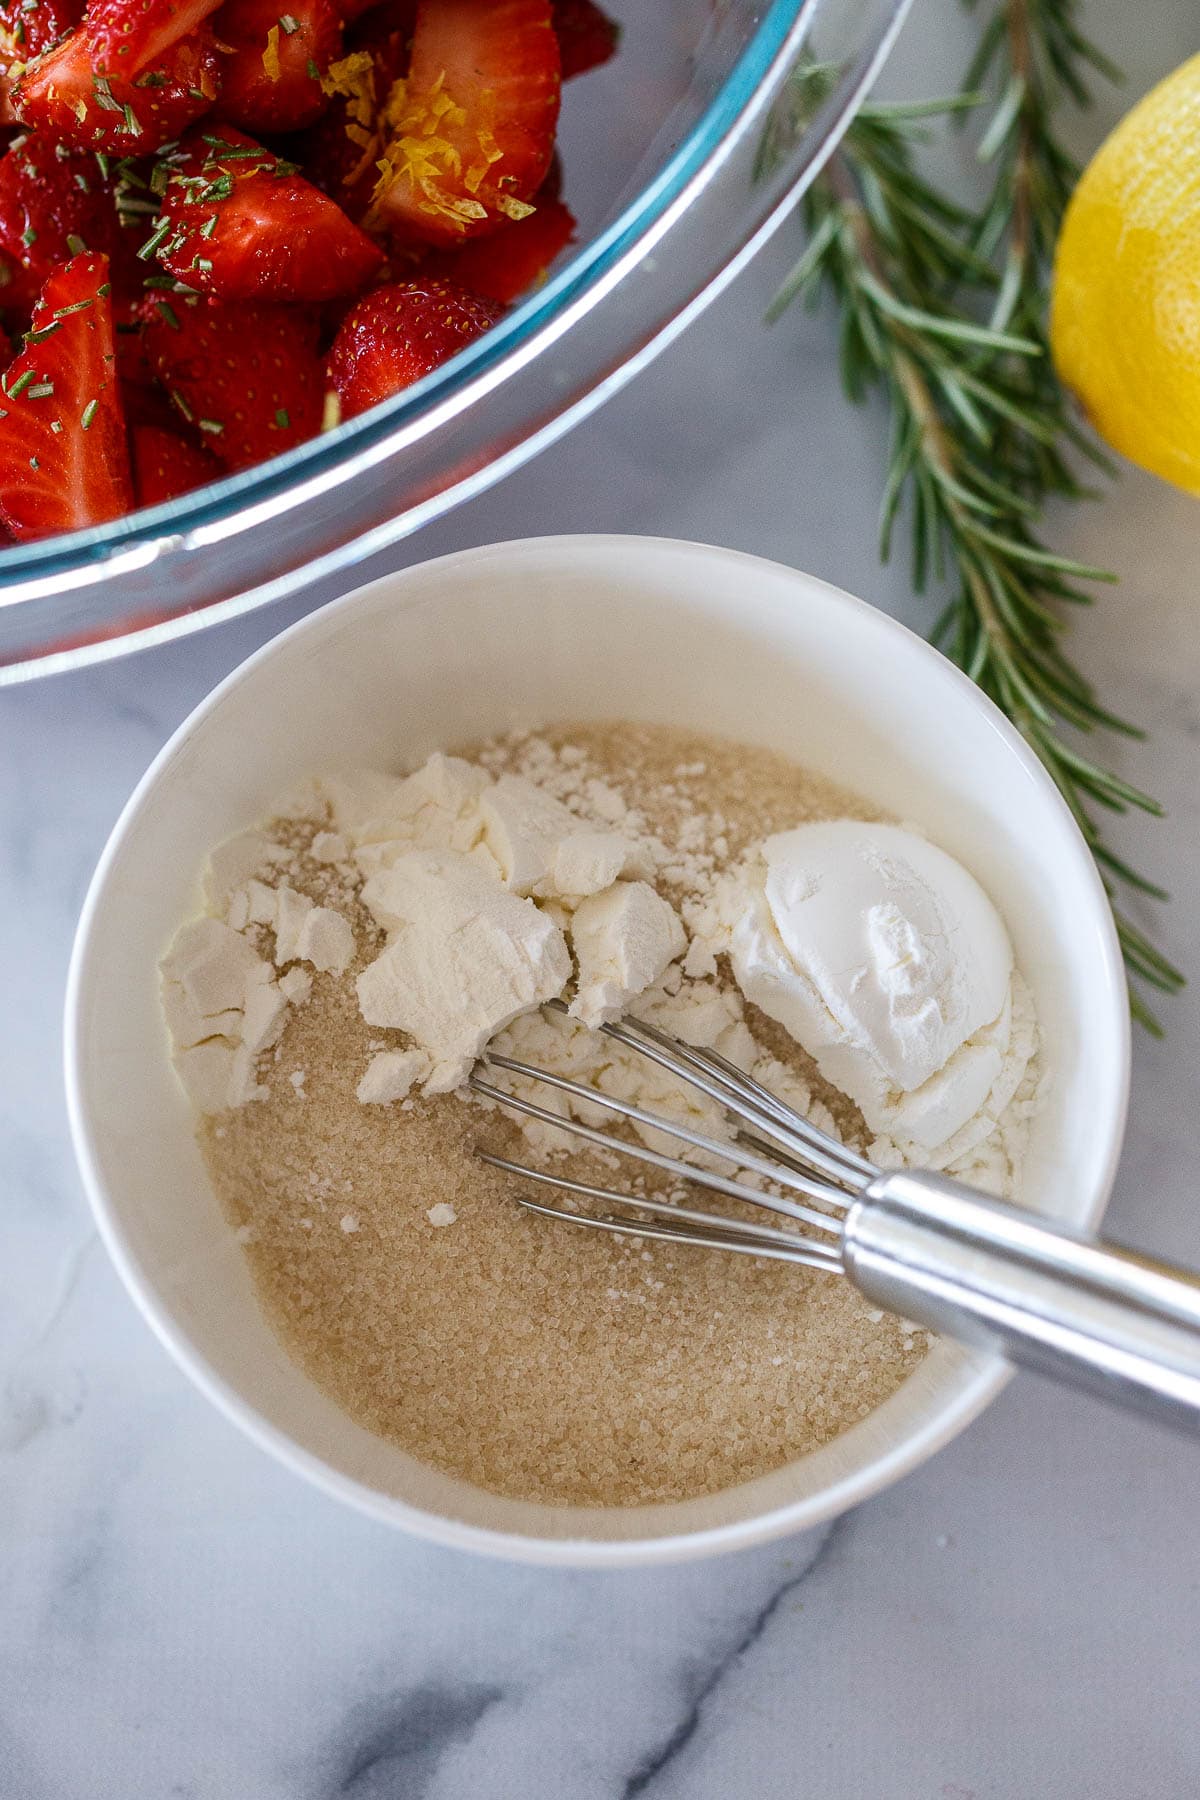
1071	1306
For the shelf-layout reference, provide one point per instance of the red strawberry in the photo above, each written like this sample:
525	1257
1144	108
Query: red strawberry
272	81
63	456
242	225
128	36
586	36
393	336
341	151
246	378
62	95
53	202
473	132
166	465
25	31
507	264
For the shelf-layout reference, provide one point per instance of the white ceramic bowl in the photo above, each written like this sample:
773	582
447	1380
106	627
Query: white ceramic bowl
524	633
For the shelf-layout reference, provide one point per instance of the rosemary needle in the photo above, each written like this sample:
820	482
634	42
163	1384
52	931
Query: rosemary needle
943	309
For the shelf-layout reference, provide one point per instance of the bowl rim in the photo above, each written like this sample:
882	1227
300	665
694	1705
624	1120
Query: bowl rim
982	1378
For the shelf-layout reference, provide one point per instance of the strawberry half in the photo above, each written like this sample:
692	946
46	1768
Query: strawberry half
130	36
63	456
392	337
62	95
473	127
510	262
586	36
272	81
166	465
247	379
54	203
239	223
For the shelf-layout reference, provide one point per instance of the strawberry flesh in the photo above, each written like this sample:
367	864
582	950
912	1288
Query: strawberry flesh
257	230
510	262
272	81
130	36
394	336
63	95
166	465
473	128
245	379
341	152
52	202
586	36
64	462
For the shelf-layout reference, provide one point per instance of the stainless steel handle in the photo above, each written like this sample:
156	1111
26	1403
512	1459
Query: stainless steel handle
1089	1313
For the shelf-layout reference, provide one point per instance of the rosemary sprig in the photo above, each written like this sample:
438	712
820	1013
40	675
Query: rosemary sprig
943	309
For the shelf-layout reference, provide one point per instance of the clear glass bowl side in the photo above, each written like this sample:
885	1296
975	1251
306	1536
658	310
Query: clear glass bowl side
673	194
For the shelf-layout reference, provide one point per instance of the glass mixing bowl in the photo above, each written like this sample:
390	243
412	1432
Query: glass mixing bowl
681	155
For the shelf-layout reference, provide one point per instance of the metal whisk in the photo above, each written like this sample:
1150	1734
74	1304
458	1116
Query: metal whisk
1049	1298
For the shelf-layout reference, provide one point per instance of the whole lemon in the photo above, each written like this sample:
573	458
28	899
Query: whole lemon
1125	316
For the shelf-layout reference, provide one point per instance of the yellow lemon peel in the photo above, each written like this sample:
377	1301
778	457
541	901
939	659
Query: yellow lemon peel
1125	317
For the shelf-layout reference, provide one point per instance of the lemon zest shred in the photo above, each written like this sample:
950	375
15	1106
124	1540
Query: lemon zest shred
270	56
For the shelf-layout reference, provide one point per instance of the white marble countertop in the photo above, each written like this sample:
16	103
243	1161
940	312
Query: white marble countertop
179	1617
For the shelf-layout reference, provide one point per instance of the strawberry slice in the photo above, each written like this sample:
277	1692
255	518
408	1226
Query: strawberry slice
510	262
54	203
130	36
272	81
392	337
166	465
247	379
25	32
241	224
341	151
62	95
63	456
586	36
473	127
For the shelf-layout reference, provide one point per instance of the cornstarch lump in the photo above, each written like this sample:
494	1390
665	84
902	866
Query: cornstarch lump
361	950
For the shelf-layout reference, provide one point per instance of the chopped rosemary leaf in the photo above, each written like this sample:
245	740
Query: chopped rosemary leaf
153	78
42	333
104	290
288	24
81	182
104	164
281	418
151	244
313	72
183	406
104	94
56	425
213	426
41	389
76	245
34	463
28	236
60	312
20	384
132	123
88	413
209	226
168	314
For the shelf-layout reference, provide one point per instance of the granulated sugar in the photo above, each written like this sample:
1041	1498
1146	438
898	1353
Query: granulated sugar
540	1362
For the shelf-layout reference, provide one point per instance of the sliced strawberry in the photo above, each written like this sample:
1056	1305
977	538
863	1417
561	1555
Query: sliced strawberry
54	203
246	378
393	336
62	95
272	81
341	151
26	31
473	128
241	224
166	465
130	36
586	36
63	456
507	264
